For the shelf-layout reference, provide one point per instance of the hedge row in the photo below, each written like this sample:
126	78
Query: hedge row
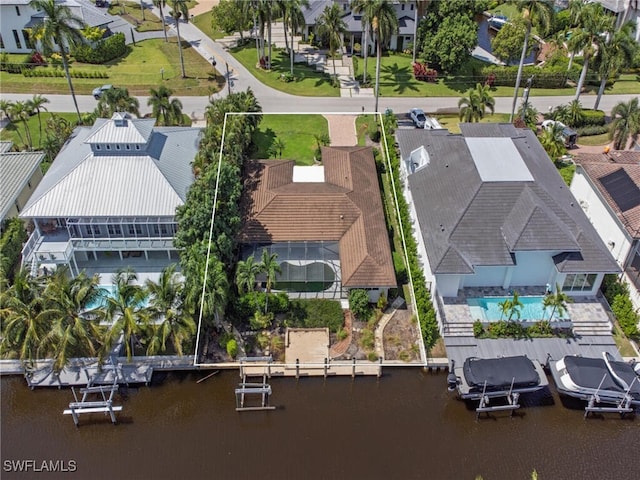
424	306
592	118
627	317
103	51
592	130
11	245
60	73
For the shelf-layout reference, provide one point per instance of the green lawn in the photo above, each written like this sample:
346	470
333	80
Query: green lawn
296	131
138	71
452	122
203	22
566	170
594	140
308	82
362	127
131	12
15	132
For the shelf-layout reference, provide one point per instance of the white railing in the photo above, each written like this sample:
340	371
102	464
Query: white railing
30	246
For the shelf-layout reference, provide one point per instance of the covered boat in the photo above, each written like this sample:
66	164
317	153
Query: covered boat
496	377
597	381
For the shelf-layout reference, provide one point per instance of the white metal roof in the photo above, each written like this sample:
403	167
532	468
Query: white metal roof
498	160
16	169
121	128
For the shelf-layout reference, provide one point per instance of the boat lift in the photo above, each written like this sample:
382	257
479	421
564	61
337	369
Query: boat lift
511	396
621	406
101	406
263	389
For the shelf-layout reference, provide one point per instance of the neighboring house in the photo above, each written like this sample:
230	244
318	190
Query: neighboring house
405	11
608	189
625	11
20	174
111	194
17	18
326	223
491	210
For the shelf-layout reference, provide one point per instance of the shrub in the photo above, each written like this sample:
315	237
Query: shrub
554	76
423	73
592	117
342	334
478	329
541	329
224	339
368	340
374	132
102	51
612	287
592	130
382	302
287	77
232	348
316	313
11	245
260	321
250	302
372	356
359	304
626	315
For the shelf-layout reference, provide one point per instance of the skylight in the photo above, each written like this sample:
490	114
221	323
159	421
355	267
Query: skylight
498	160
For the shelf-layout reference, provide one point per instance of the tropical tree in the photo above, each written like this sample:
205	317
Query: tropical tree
59	30
384	23
24	322
366	9
74	330
575	113
528	113
5	108
37	104
552	141
293	18
20	111
171	321
625	124
589	38
246	273
331	26
117	100
124	314
265	12
269	265
180	9
561	114
534	12
507	43
615	54
168	111
210	300
557	301
161	4
232	16
473	107
576	12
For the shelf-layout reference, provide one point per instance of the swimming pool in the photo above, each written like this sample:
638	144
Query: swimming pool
488	309
109	291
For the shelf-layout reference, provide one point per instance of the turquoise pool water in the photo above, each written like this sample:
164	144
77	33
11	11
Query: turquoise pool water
488	309
109	291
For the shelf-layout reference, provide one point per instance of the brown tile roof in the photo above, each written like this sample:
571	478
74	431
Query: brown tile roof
599	165
346	208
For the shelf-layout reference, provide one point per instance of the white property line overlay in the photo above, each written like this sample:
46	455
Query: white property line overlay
423	353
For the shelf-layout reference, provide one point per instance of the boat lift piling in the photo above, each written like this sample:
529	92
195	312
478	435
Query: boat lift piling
623	406
254	388
511	406
83	405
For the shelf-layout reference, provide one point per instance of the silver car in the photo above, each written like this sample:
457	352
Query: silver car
98	91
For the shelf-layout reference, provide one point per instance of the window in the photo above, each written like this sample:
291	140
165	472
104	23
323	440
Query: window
29	184
411	7
117	146
108	146
402	7
17	206
27	39
92	229
1	42
114	229
97	147
137	147
128	146
16	37
579	282
17	10
135	230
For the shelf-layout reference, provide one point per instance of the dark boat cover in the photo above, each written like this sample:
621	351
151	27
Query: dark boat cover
628	374
588	373
500	372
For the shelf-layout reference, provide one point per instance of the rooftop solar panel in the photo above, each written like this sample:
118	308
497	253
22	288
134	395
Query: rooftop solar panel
622	189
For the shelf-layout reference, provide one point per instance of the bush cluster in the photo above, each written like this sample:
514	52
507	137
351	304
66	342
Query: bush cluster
103	51
11	245
50	72
592	130
513	329
316	313
555	76
359	304
627	317
424	306
251	302
422	72
17	65
592	118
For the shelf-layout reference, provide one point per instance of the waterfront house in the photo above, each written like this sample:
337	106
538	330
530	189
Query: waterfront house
17	18
21	174
490	210
607	187
405	11
626	11
109	198
325	222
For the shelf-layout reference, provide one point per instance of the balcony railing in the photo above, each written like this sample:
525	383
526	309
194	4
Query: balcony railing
113	244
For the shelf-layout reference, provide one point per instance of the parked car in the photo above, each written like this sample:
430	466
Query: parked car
418	117
98	91
569	135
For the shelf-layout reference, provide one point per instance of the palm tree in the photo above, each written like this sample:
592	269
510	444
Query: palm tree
576	12
625	123
615	54
293	18
5	108
246	272
534	12
515	306
473	107
180	9
552	141
117	100
588	38
60	29
557	301
37	104
365	8
74	330
331	25
575	114
505	308
384	23
124	313
166	306
161	4
167	111
270	266
24	323
20	111
528	113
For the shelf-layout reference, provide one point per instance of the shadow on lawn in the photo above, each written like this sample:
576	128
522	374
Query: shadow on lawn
263	142
400	77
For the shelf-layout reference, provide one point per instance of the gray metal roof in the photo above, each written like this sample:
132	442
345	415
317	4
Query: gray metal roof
405	25
16	169
152	182
121	128
467	222
314	10
5	146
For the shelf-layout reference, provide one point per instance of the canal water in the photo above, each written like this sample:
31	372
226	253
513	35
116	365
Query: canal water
401	426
